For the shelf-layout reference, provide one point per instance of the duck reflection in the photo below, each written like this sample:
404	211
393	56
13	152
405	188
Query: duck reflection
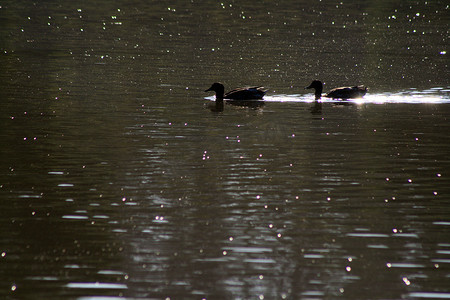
216	106
247	103
219	104
316	108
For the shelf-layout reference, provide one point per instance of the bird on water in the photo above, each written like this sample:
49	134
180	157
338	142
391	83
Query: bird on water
338	93
245	93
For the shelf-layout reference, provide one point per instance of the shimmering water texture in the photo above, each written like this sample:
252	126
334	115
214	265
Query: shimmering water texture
118	182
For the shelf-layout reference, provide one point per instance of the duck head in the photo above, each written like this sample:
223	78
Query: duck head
317	85
218	88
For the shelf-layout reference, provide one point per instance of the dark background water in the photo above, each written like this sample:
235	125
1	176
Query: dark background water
117	181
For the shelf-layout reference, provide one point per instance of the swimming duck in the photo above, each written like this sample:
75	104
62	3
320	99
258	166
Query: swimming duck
246	93
338	93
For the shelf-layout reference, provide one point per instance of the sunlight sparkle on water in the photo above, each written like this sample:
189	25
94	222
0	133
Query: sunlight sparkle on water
430	295
95	285
436	95
406	281
413	97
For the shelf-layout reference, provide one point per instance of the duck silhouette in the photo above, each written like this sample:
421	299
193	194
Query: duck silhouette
244	93
338	93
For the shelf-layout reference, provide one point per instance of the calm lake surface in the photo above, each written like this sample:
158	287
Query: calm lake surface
118	181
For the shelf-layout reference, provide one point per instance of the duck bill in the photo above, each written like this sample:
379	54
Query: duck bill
308	87
208	90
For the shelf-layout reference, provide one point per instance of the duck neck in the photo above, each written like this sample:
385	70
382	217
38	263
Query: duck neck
318	92
219	97
219	94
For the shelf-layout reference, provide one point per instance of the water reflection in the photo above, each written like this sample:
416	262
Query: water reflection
115	183
316	107
219	106
216	106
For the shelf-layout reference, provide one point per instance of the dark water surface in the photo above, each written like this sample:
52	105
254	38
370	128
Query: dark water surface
116	180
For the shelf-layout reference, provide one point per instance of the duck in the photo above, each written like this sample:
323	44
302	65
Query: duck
244	93
343	93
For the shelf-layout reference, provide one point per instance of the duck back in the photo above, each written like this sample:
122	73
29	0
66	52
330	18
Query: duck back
347	92
246	93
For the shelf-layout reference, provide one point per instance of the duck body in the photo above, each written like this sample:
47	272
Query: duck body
338	93
347	92
245	93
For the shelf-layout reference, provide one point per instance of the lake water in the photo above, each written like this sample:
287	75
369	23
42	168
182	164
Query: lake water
118	181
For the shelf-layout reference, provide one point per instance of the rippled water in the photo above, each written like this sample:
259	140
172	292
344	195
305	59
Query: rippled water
117	181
